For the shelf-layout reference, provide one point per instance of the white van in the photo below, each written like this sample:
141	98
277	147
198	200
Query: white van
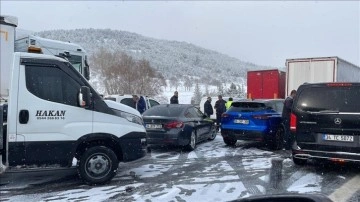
128	100
50	115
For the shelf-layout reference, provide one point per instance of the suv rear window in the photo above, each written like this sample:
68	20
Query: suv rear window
246	107
330	99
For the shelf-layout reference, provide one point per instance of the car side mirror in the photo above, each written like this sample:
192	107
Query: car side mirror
84	97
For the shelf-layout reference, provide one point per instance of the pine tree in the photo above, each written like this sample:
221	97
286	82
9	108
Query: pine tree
220	89
207	90
197	94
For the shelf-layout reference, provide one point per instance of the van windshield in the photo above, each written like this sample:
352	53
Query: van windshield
330	99
76	61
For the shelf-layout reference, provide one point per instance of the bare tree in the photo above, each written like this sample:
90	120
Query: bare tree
121	74
174	82
187	83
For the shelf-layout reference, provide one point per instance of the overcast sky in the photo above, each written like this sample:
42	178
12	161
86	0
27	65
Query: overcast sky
261	32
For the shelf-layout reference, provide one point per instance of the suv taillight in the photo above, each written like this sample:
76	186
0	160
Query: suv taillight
174	124
293	122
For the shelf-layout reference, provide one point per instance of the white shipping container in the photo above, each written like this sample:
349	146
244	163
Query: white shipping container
317	70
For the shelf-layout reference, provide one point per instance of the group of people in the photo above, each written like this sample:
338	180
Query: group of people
220	107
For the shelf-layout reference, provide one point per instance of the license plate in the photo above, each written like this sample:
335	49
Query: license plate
153	126
241	121
341	138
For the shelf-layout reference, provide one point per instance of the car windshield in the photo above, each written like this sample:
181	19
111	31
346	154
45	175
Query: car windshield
208	100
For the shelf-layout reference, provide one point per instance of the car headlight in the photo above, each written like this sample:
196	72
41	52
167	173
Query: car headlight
130	117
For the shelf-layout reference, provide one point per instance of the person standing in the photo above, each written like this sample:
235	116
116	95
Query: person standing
208	109
140	103
220	109
288	139
174	99
228	103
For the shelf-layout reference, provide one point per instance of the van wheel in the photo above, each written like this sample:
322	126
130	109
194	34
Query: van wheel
192	144
277	142
230	141
213	133
98	165
299	162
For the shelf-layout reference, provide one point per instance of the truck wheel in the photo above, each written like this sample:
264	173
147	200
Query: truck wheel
213	133
299	162
98	165
192	143
230	141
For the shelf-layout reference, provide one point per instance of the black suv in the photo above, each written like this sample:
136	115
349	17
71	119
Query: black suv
325	120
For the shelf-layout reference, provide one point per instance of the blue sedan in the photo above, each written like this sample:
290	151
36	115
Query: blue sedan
257	120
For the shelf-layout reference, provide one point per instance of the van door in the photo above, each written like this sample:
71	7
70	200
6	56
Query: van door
48	115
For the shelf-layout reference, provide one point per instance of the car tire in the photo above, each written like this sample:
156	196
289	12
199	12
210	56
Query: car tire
213	133
97	165
192	143
299	162
230	141
277	142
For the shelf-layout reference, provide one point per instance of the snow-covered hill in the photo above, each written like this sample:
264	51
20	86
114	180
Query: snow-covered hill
180	60
172	58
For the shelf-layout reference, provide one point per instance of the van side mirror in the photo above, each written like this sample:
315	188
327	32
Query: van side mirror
84	97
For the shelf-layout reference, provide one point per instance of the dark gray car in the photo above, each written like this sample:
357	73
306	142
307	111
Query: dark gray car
177	124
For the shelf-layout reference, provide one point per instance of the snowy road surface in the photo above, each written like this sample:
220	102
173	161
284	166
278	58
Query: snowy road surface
213	172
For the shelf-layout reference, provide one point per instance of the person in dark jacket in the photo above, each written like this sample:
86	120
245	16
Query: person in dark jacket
220	109
288	139
208	109
140	103
174	99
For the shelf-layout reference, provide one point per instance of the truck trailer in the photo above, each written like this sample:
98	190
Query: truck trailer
265	84
319	69
52	117
73	52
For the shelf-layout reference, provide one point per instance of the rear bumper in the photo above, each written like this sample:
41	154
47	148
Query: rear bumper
326	155
178	138
244	134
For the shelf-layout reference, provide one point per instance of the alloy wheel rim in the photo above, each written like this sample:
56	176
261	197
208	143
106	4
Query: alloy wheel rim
98	165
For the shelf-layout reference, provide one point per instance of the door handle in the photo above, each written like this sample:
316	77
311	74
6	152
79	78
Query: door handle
23	116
